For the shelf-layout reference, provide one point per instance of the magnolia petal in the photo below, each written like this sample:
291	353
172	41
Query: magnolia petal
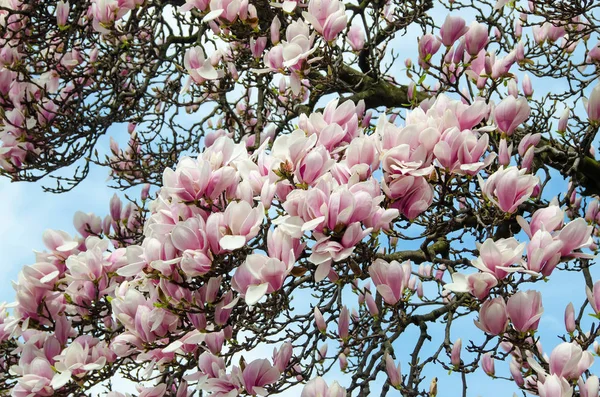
322	271
311	225
214	14
232	242
49	277
173	347
255	292
289	7
68	246
60	380
131	270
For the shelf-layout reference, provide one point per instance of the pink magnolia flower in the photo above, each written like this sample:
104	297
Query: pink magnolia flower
590	387
257	46
527	86
543	253
87	224
362	156
356	38
243	223
461	151
390	280
189	4
593	297
320	321
291	149
510	113
476	38
504	152
493	317
284	247
496	257
563	121
455	353
394	372
554	386
487	364
328	17
62	13
569	361
344	323
190	238
296	50
317	387
282	357
452	29
229	10
549	218
36	379
525	310
480	284
326	250
274	30
259	275
257	374
193	180
82	355
197	66
105	11
575	235
314	165
413	195
428	46
570	325
508	187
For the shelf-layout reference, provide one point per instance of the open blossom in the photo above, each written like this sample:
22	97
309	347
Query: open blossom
543	253
242	223
257	374
259	275
461	151
550	218
496	257
198	67
569	361
477	284
193	180
190	238
317	387
554	386
575	235
37	379
508	187
328	17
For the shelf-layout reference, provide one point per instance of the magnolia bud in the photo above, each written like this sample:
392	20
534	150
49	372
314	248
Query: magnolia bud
320	321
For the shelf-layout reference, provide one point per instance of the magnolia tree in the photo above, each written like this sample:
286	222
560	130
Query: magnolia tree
299	205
